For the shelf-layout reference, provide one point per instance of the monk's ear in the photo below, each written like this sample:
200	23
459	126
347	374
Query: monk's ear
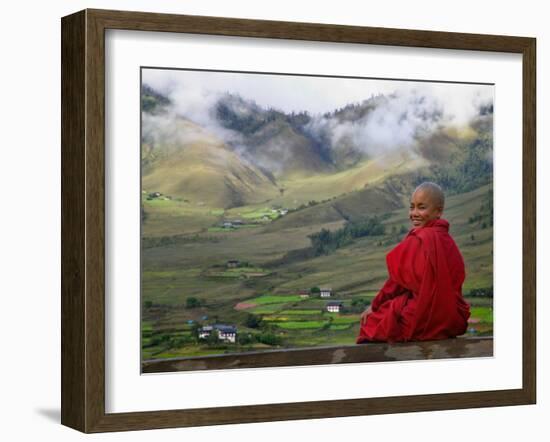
439	211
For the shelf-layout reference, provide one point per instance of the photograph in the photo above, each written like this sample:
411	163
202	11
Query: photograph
282	212
267	220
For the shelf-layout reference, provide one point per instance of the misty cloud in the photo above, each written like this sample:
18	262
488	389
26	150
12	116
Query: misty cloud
401	111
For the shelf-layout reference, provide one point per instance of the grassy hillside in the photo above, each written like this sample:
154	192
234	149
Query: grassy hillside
201	170
197	269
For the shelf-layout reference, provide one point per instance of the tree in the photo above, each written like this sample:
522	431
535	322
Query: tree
212	338
252	321
326	241
245	339
358	305
195	331
269	339
327	324
192	302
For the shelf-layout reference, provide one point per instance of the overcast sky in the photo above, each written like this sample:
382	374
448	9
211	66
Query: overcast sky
300	93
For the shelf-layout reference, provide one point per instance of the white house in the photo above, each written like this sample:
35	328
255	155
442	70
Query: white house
226	333
326	292
334	306
205	332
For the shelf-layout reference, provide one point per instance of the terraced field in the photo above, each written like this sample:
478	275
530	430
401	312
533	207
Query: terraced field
271	295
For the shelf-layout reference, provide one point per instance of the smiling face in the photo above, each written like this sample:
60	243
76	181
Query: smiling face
424	207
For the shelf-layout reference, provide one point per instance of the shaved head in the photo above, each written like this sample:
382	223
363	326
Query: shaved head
434	191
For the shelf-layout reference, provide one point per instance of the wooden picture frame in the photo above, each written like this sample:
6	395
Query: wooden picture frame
83	222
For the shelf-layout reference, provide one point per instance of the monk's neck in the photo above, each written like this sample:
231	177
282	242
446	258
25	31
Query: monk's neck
442	223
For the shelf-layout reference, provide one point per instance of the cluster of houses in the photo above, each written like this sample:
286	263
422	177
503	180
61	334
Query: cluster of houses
325	292
227	224
281	212
226	333
331	306
232	263
157	195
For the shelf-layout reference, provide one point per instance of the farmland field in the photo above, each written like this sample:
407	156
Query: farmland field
268	288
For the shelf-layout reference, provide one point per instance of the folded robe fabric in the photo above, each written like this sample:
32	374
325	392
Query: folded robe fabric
422	298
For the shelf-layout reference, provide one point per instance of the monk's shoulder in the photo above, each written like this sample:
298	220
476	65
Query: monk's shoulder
414	236
412	240
409	255
429	233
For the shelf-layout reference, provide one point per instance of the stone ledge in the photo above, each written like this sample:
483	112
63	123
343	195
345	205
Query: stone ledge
371	352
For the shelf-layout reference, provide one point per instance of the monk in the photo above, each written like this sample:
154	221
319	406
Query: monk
422	298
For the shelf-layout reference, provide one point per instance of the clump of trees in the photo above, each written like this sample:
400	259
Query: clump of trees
327	241
466	171
173	240
269	338
310	203
252	321
237	114
358	305
166	340
192	302
152	101
482	292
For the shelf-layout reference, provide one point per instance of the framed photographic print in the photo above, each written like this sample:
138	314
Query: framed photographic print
258	217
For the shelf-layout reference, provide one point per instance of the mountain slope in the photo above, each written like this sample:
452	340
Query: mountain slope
202	169
245	154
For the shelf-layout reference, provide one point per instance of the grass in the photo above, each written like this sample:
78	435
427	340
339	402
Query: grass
266	309
259	213
298	325
345	319
245	270
270	299
340	326
300	312
186	352
479	301
275	318
485	314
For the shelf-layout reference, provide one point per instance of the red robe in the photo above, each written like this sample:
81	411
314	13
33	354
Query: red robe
422	298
